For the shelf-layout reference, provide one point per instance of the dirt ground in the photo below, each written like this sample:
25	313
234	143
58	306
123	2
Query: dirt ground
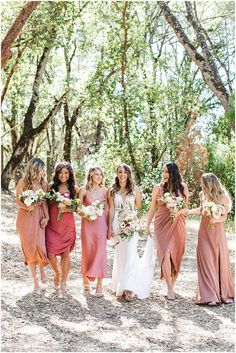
75	322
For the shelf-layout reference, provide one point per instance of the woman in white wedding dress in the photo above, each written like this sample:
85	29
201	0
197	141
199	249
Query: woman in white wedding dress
131	275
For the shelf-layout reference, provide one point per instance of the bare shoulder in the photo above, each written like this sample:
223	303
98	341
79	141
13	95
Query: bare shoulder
77	189
225	200
82	190
201	195
136	188
185	186
156	188
50	186
105	190
109	194
21	182
20	185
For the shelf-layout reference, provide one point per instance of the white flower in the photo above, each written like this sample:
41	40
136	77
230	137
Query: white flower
99	212
28	201
122	225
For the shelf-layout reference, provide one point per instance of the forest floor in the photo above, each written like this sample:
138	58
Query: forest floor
75	322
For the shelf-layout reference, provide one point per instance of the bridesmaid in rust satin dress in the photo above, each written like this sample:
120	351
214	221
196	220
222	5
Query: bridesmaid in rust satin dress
215	281
61	234
169	227
32	220
94	233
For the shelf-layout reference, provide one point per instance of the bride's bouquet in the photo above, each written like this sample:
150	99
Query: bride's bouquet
63	201
93	211
213	210
129	224
31	198
173	203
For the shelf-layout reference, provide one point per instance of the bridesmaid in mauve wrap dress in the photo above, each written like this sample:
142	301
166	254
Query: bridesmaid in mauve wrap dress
215	282
94	233
169	227
61	234
32	220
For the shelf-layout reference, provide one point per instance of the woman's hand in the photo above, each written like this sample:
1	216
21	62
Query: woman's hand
147	231
110	233
205	213
30	209
183	212
213	220
44	222
38	204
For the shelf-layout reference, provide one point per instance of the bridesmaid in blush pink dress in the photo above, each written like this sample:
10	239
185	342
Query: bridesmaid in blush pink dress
61	234
215	282
169	226
32	220
94	233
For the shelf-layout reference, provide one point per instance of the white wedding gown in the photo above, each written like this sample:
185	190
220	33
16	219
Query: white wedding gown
130	272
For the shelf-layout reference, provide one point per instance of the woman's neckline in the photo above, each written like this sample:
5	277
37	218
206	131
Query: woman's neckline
123	198
96	194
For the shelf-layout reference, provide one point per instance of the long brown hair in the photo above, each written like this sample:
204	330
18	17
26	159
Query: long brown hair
174	184
213	189
33	168
70	182
129	183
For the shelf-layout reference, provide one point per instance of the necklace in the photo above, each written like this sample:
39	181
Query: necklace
96	190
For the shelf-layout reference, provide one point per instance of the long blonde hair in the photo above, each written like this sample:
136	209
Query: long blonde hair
89	180
33	168
213	189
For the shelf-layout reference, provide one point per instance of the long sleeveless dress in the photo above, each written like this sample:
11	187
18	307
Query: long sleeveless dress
60	234
32	236
130	272
215	282
170	235
94	242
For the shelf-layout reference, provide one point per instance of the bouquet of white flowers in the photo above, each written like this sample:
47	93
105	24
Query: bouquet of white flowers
30	197
173	203
94	210
129	224
213	210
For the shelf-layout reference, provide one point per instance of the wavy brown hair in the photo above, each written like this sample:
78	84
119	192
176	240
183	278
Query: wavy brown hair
89	181
213	189
174	184
33	168
129	183
70	182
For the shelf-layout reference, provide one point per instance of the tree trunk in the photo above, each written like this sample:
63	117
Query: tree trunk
205	62
68	134
5	88
15	29
29	133
125	105
70	123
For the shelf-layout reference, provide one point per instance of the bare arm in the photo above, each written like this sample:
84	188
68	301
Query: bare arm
152	209
81	195
111	214
106	206
197	210
138	197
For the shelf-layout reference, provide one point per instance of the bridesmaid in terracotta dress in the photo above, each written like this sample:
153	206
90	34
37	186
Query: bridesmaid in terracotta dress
32	220
169	227
215	282
61	234
94	233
